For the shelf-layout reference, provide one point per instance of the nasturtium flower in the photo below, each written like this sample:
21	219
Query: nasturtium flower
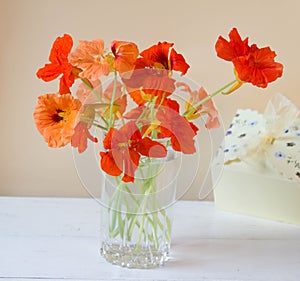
252	64
59	64
206	108
176	127
164	56
55	117
258	67
145	117
89	55
125	54
146	84
81	135
151	78
124	148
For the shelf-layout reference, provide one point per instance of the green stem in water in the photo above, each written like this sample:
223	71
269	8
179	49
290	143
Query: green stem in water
194	107
147	213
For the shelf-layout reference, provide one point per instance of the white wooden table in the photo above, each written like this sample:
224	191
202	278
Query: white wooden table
57	239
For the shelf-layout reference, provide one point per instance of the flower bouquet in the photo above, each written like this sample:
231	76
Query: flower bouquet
130	97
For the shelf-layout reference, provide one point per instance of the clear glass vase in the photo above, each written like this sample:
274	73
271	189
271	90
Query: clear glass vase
136	218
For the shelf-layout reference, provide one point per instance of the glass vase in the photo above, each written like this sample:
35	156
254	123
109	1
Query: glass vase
136	218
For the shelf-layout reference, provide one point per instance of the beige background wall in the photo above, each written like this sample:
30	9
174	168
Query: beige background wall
28	27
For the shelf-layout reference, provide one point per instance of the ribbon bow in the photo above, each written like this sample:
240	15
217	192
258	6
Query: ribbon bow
270	140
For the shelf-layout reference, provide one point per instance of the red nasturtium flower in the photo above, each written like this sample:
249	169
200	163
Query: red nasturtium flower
59	64
55	117
152	74
124	149
148	123
203	109
252	64
259	67
178	129
163	56
126	54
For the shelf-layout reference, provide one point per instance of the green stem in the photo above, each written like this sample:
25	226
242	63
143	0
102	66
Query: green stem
102	118
138	243
138	212
113	100
150	188
114	207
92	122
135	218
112	224
194	107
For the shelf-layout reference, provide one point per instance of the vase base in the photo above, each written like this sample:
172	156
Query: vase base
130	257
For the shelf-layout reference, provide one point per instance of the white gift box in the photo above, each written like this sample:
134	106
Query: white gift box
244	190
257	169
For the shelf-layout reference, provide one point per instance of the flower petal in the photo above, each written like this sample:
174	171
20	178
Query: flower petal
109	164
135	113
107	142
178	128
229	50
150	148
130	131
178	62
126	54
157	54
131	162
49	72
61	49
80	137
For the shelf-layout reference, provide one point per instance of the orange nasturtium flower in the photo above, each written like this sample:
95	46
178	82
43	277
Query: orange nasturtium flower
124	149
59	64
55	117
205	108
89	55
126	54
152	74
252	64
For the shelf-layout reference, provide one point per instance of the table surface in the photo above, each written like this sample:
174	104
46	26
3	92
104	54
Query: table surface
58	239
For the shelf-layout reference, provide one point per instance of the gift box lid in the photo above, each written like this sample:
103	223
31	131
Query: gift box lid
268	142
